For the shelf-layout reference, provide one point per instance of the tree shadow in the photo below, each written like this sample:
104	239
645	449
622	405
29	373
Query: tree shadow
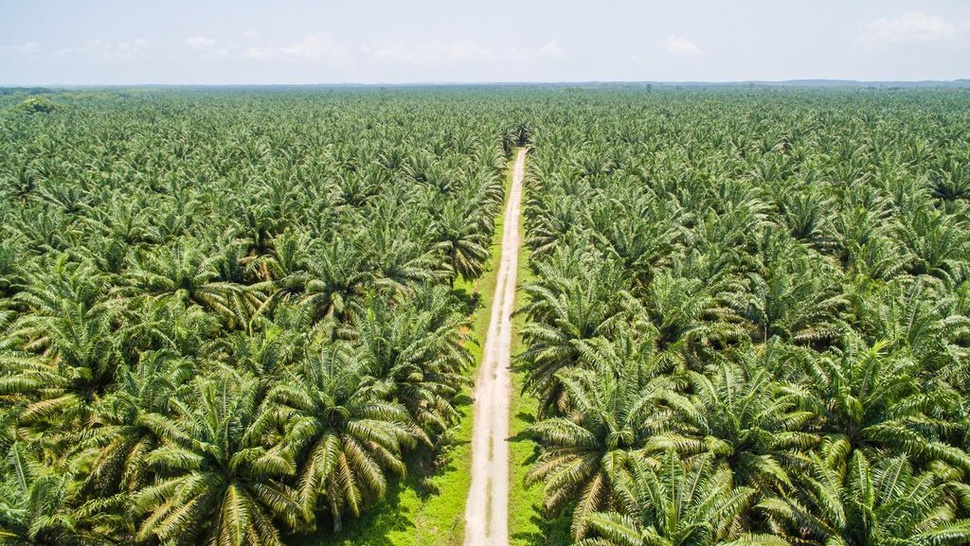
424	464
468	299
373	527
377	523
462	400
522	437
552	532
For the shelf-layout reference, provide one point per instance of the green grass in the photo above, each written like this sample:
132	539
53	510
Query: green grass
428	507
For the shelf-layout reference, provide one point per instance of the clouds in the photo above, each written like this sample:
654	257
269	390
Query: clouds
436	51
310	48
682	47
26	48
322	48
199	42
208	48
252	46
911	28
313	48
289	41
551	49
460	51
112	52
125	51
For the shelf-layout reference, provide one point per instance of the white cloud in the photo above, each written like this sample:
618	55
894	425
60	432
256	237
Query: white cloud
26	48
460	52
259	53
313	47
912	27
252	34
126	51
682	46
199	42
316	47
433	52
208	48
551	49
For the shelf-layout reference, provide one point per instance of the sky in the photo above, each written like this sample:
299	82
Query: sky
115	42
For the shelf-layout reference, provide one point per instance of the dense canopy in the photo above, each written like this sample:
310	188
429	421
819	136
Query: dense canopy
233	316
228	317
756	302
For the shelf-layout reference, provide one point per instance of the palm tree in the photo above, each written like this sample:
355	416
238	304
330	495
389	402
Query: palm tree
125	221
397	254
416	350
574	301
688	313
864	398
463	242
336	278
638	246
849	502
43	230
184	272
783	301
548	222
10	269
344	434
64	360
22	182
285	259
216	481
937	244
34	501
805	214
588	451
114	454
260	225
922	319
676	504
735	414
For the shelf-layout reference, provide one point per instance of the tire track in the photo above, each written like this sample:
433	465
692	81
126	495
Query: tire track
487	509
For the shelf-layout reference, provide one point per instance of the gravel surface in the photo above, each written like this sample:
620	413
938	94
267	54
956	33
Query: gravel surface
487	511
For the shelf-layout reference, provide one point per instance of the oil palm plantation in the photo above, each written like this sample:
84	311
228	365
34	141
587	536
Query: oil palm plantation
675	504
463	242
803	285
61	361
865	398
564	311
416	350
737	414
216	480
345	435
854	502
590	449
34	505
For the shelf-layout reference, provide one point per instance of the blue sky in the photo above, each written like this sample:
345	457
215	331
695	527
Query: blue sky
370	41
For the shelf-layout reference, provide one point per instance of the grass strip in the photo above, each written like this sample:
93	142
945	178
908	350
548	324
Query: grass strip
428	507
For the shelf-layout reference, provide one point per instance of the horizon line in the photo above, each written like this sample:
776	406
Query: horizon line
796	81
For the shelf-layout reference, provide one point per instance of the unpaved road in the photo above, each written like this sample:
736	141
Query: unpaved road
487	511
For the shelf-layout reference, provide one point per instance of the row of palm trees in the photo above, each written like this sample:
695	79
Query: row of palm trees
750	320
230	318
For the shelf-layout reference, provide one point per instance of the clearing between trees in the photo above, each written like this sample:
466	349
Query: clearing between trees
487	512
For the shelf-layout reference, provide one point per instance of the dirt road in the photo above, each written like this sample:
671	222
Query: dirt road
487	511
